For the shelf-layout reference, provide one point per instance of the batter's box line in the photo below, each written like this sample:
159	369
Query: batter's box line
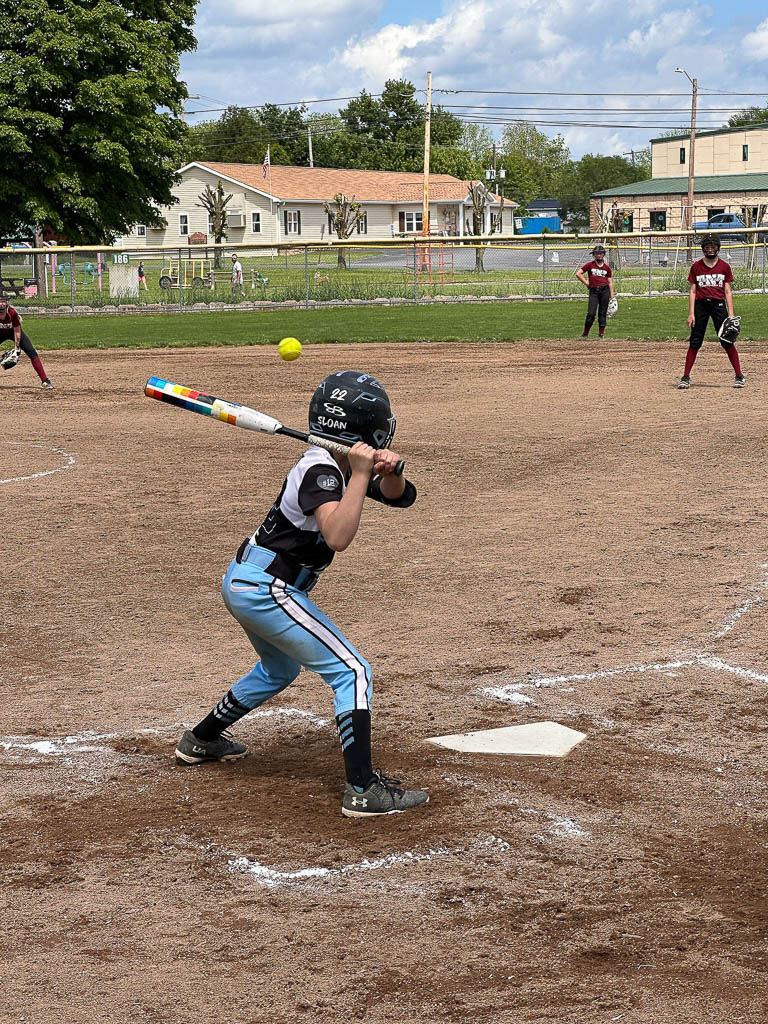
47	472
510	692
272	878
757	598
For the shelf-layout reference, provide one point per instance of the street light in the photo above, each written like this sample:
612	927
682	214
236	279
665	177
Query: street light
692	147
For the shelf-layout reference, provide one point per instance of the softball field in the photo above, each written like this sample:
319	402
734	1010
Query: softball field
589	547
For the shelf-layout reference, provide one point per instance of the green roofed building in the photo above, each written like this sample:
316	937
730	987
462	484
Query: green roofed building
730	176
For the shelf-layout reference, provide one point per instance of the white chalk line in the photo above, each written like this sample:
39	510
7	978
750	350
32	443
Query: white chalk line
511	692
752	602
47	472
264	875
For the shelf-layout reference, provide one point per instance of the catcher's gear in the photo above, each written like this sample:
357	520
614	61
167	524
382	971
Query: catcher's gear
352	406
9	359
711	243
729	329
612	308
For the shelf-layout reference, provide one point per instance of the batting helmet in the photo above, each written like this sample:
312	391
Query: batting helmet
352	406
598	249
711	242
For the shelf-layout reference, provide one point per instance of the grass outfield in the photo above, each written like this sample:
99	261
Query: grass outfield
638	318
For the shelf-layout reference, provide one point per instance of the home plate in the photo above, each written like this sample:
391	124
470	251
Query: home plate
539	739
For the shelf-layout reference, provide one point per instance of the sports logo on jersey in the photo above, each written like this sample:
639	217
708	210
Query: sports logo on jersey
328	483
710	280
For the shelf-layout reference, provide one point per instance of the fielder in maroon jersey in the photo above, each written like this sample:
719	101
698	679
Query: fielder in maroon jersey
597	277
10	327
711	296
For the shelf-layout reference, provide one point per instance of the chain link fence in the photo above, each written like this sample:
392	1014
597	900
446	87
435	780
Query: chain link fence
398	271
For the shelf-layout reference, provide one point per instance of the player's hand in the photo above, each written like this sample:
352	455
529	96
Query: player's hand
361	458
385	462
691	320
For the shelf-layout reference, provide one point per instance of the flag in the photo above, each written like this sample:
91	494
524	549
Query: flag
265	167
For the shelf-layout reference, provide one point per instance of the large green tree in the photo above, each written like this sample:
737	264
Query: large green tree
90	133
593	173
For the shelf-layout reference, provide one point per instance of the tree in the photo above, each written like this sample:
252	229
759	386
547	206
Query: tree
479	198
345	215
750	115
550	157
594	173
91	137
215	202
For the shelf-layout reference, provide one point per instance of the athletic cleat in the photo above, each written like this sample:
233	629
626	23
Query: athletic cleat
46	385
685	383
739	381
191	750
381	796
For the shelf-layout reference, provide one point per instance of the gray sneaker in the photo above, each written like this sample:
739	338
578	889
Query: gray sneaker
191	750
382	796
685	383
46	385
739	380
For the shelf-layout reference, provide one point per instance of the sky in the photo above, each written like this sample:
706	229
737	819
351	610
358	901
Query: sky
487	53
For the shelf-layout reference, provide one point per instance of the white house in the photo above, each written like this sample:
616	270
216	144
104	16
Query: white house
281	204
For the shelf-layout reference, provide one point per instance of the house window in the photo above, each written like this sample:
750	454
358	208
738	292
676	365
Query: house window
292	222
682	154
141	230
362	225
256	222
745	152
658	220
411	223
183	224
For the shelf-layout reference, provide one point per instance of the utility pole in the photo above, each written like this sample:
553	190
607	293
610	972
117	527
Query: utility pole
691	151
427	125
183	111
311	159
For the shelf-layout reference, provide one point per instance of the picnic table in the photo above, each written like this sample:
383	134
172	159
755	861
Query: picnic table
12	286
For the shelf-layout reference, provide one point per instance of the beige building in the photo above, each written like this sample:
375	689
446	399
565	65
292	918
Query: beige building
730	176
285	204
723	151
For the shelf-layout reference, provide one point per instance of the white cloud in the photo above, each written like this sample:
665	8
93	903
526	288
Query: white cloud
756	43
251	53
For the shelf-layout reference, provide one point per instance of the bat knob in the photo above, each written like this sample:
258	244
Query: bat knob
400	467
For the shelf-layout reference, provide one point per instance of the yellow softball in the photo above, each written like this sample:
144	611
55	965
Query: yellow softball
289	348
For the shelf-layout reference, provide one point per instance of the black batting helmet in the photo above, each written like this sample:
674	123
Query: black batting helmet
710	242
598	248
352	406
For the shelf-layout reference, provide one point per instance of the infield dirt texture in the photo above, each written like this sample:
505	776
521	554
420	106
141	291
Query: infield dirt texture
589	546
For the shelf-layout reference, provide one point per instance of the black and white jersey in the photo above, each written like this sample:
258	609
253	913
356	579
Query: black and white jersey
290	528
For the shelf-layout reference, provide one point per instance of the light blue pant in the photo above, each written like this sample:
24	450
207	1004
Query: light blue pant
289	631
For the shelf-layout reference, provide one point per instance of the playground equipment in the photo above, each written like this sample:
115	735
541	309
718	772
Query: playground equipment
187	273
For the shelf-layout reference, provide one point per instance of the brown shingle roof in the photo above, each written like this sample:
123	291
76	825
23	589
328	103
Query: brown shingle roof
320	183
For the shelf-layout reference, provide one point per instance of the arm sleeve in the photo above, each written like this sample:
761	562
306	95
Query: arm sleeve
405	500
691	277
728	273
610	272
320	485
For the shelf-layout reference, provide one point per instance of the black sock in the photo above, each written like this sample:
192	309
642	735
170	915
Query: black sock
228	711
355	737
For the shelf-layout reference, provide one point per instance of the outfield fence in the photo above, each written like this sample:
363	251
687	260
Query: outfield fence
408	270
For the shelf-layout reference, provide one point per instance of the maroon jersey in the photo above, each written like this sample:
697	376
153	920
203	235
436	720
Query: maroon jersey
8	322
597	274
710	281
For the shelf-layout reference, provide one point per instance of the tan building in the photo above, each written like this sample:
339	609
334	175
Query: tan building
730	176
723	151
286	203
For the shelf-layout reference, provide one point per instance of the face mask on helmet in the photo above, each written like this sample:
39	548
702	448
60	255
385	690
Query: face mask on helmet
352	406
710	245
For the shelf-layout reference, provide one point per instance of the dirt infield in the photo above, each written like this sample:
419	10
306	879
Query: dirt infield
589	547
